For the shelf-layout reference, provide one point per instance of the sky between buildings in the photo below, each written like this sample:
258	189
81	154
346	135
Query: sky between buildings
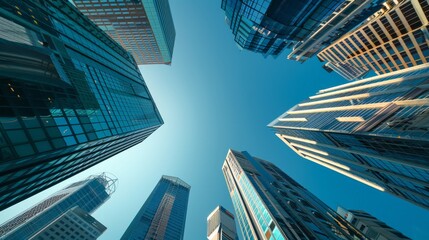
214	97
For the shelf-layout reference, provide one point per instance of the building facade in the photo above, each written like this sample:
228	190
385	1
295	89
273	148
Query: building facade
393	39
269	26
145	28
73	224
346	17
163	215
88	195
375	131
271	205
70	97
221	225
373	228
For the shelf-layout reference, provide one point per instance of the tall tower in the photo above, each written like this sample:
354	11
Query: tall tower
394	38
88	195
268	26
271	205
163	215
373	228
221	225
375	131
70	97
145	28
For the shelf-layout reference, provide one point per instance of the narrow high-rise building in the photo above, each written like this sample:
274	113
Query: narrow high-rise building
221	225
88	195
268	26
373	228
393	39
145	28
346	17
375	131
271	205
70	97
163	215
73	224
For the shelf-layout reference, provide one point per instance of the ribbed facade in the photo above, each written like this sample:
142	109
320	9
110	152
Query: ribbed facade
88	195
163	215
393	39
268	26
373	228
270	205
346	17
70	97
145	28
373	130
221	225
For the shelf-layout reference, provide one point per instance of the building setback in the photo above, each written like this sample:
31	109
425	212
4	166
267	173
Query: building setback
393	39
373	228
221	225
163	215
271	205
373	130
268	26
70	97
88	195
145	28
73	224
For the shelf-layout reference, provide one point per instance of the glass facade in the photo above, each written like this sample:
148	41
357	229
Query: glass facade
374	130
70	97
145	28
393	39
346	17
271	205
268	26
373	228
88	195
221	225
163	215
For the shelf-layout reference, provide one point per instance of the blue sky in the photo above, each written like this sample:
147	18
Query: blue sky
214	97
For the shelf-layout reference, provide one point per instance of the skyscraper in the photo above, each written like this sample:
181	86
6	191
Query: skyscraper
163	215
88	195
346	17
393	39
268	26
373	130
373	228
271	205
70	97
145	28
73	224
221	225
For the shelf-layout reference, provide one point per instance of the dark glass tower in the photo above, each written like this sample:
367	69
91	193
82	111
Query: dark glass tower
145	28
70	97
268	26
269	205
374	130
88	195
163	215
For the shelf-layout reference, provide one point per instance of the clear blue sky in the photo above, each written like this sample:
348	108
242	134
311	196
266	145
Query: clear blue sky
214	97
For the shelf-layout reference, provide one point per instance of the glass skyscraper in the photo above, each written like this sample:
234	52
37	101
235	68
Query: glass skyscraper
373	228
268	26
270	205
145	28
163	215
393	39
221	225
88	195
70	97
375	131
